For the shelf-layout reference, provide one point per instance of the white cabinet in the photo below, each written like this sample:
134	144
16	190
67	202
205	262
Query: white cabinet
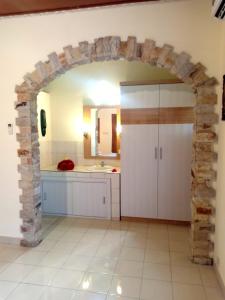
56	197
90	199
156	155
139	171
174	179
67	194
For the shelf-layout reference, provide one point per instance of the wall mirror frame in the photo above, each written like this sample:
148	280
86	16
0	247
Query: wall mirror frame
87	120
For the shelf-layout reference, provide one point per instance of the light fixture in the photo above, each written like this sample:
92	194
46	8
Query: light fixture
119	289
118	129
86	130
85	284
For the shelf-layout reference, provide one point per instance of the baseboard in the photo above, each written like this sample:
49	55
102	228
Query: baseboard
10	240
156	221
219	278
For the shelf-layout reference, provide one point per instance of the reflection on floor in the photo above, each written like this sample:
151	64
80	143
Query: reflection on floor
96	260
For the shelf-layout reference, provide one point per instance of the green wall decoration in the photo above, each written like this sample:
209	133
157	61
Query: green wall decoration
43	122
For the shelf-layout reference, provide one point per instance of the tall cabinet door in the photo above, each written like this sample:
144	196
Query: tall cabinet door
174	177
139	171
175	152
139	142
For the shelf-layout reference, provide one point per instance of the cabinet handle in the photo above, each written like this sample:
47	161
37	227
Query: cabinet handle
103	200
156	152
45	196
160	153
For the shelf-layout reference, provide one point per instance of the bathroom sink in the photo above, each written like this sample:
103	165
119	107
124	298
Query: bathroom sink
99	168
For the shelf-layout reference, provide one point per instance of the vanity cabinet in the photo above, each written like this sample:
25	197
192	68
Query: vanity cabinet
81	194
89	199
156	151
56	197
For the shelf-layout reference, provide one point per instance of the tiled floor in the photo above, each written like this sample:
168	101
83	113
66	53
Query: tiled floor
102	260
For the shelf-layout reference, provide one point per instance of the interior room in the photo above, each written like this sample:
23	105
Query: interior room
113	166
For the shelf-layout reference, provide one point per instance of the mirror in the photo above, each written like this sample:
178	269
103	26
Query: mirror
101	131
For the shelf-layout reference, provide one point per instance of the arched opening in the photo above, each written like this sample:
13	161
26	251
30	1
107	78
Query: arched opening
112	48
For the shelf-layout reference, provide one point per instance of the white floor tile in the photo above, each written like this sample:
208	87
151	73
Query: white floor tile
182	260
115	297
40	275
157	272
3	265
27	292
208	276
54	259
96	282
57	294
188	292
45	245
31	258
16	272
128	253
126	286
108	251
77	262
85	295
213	294
152	290
68	279
158	244
6	288
179	246
186	275
129	268
157	256
103	265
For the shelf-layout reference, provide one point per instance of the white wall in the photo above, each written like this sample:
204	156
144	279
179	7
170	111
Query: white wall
187	25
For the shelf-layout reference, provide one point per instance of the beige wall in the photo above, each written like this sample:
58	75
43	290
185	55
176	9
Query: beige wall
187	25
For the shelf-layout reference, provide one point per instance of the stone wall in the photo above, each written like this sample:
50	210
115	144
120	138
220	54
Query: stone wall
112	48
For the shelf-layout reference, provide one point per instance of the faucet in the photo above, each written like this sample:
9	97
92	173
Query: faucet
102	163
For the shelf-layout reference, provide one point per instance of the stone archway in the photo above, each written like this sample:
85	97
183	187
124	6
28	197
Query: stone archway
112	48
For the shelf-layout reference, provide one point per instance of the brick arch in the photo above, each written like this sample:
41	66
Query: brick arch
112	48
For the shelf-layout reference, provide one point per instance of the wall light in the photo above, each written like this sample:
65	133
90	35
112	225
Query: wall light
118	129
86	129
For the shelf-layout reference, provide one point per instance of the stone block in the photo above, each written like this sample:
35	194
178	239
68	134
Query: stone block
170	60
181	59
68	51
23	88
205	136
204	109
199	226
147	48
203	146
55	64
205	156
23	121
131	49
115	47
42	71
202	190
166	50
210	118
202	260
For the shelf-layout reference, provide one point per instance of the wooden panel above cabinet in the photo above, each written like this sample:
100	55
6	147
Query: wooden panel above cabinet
165	115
